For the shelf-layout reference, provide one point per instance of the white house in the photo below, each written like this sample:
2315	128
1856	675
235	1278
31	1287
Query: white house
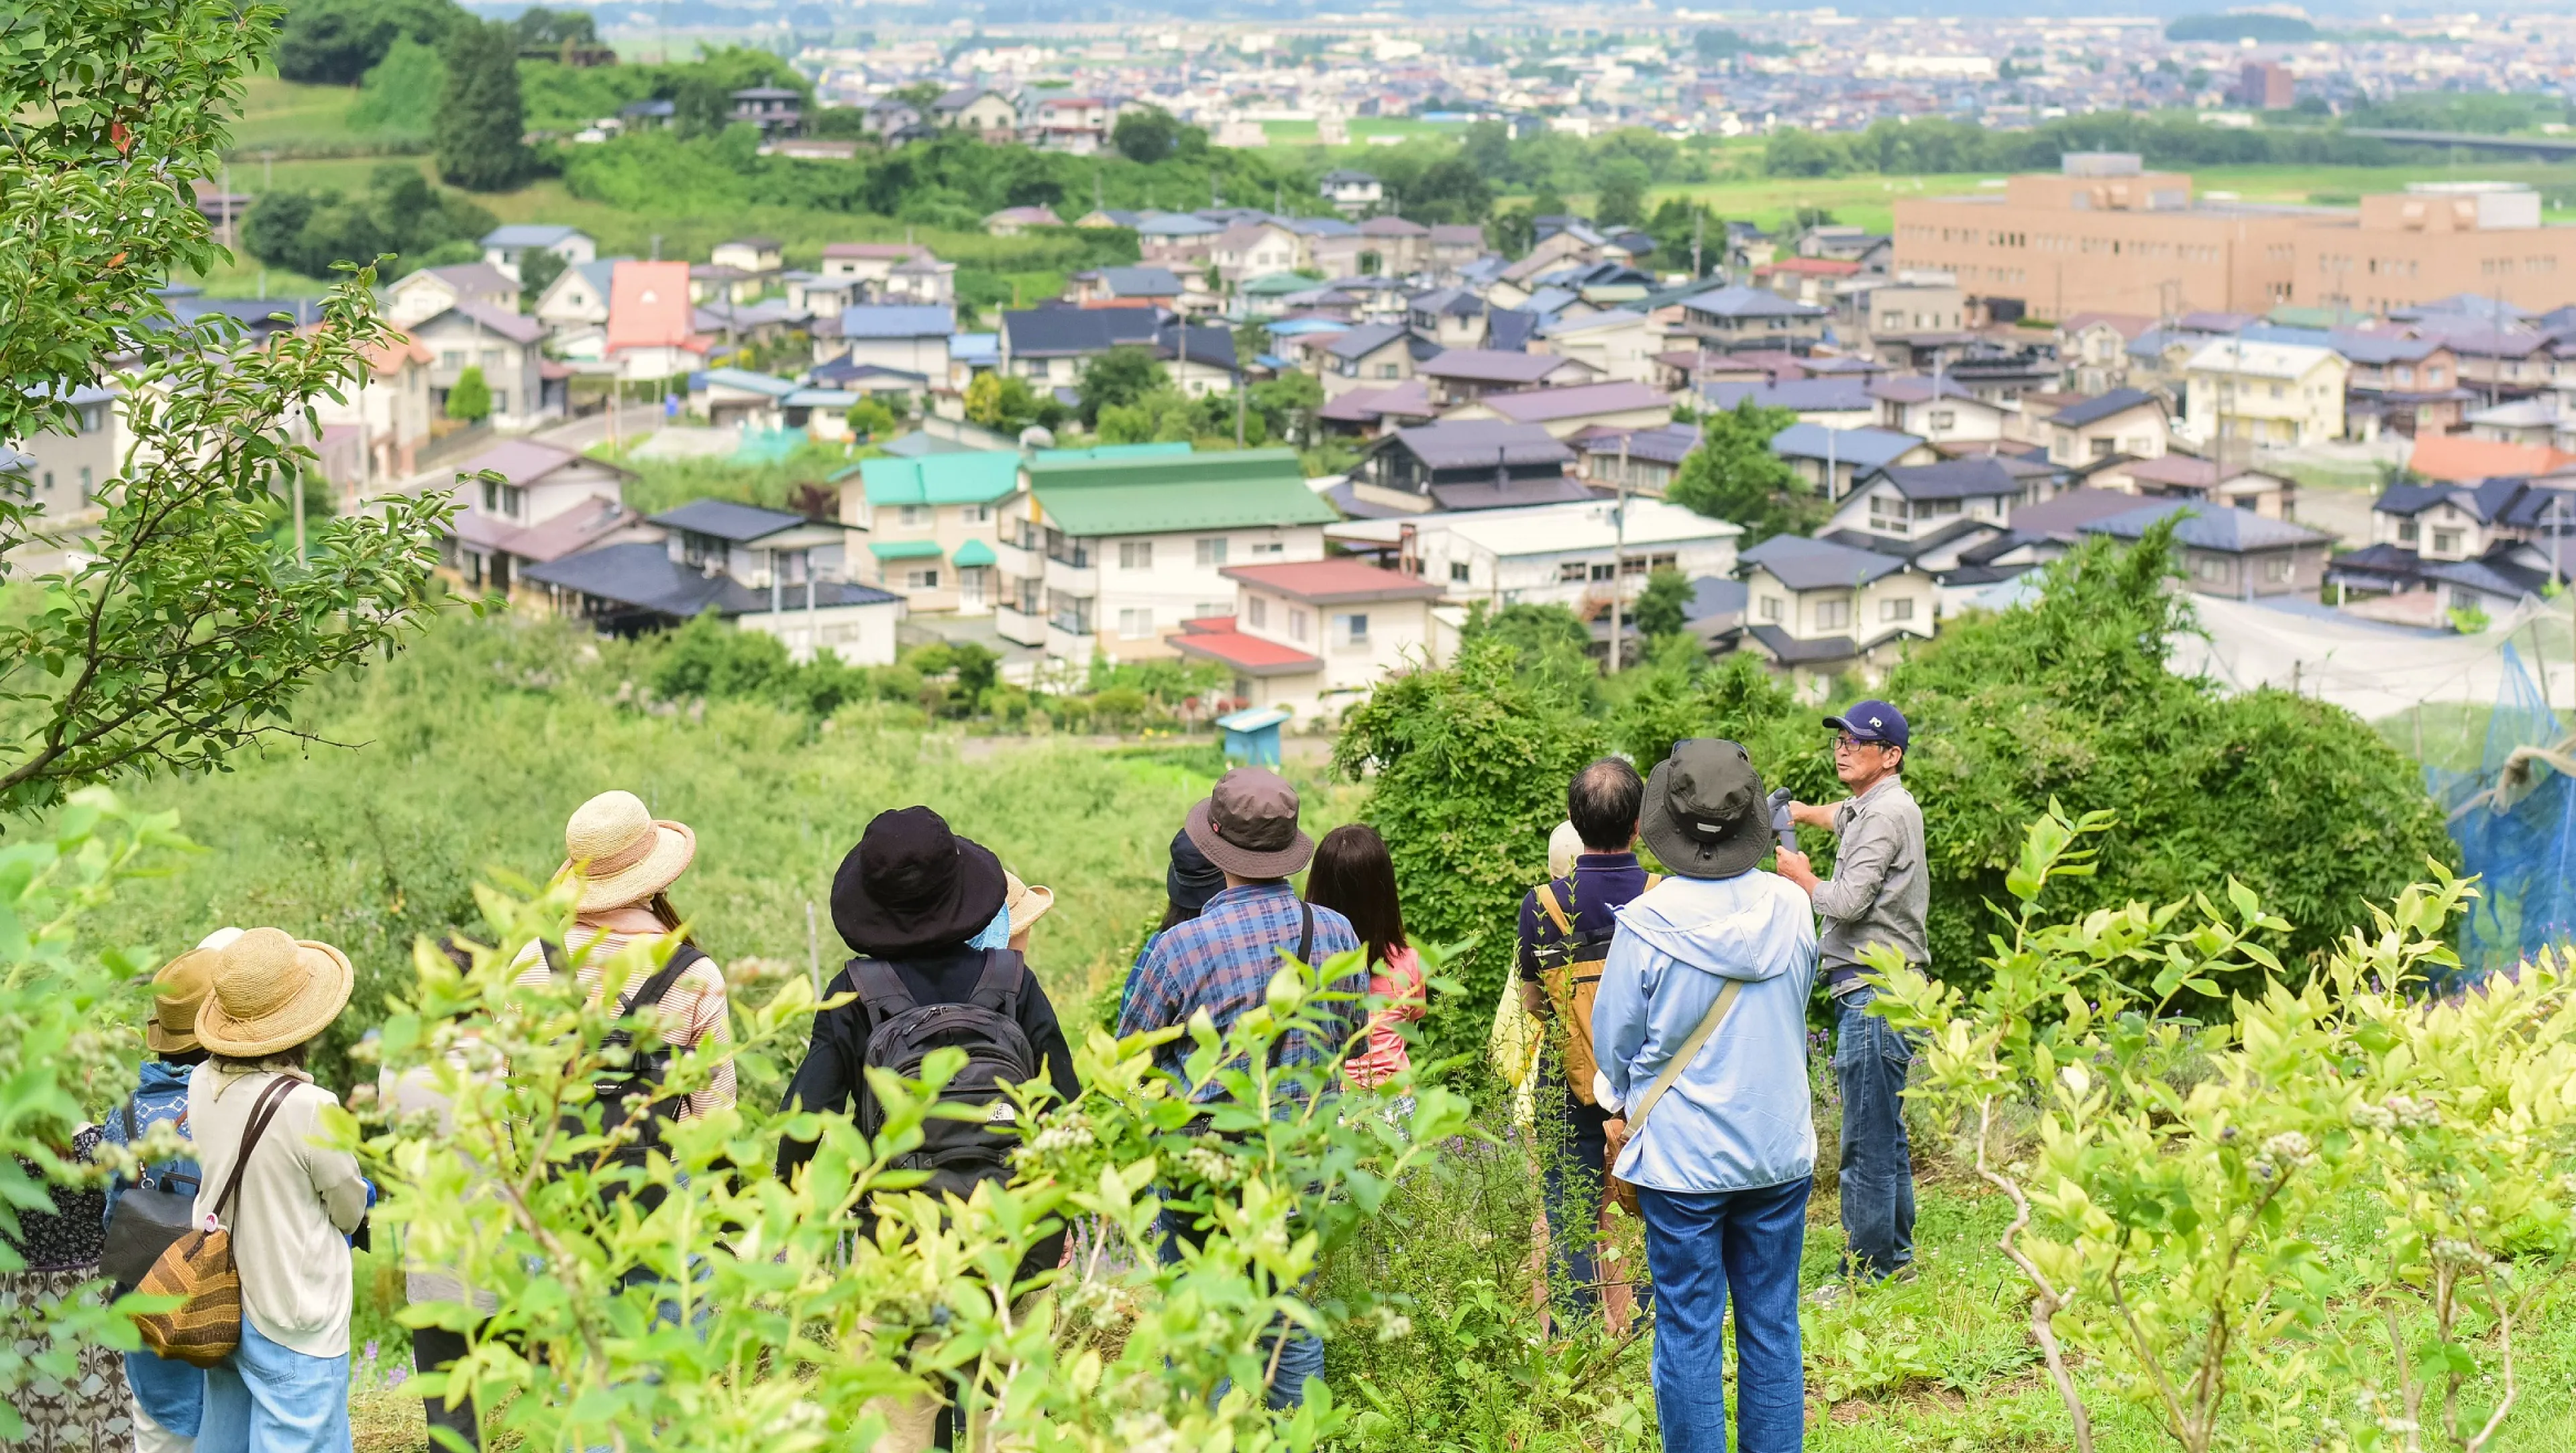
1619	344
1351	192
1317	636
1816	606
1938	410
507	246
430	291
1568	553
912	337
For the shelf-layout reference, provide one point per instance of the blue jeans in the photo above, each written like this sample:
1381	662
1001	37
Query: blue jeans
1871	1062
1300	1359
1702	1248
271	1399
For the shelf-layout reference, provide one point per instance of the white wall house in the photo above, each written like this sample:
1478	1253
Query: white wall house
1553	554
1316	637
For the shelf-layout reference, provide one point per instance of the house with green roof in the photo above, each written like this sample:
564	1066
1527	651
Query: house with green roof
928	523
1112	550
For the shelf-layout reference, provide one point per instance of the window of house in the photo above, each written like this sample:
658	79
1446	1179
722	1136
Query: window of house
921	579
1354	630
1833	615
1268	547
2446	541
1573	572
1668	560
1389	370
2276	391
1135	554
1211	550
452	358
2463	598
2210	567
1603	571
914	517
1296	624
2276	569
2408	532
1771	608
1136	625
976	514
86	488
1256	612
1944	418
1207	608
1458	572
1896	608
2102	448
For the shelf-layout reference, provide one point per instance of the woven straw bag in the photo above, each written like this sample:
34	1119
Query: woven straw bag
198	1268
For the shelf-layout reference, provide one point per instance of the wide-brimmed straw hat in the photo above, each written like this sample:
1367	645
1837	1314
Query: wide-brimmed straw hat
624	853
271	992
1028	902
179	988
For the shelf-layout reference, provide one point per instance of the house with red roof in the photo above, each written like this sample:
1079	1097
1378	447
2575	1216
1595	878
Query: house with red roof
2459	459
652	331
1316	636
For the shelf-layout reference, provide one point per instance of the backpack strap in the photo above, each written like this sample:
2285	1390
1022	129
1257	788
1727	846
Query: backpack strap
1305	932
1555	911
1652	879
998	987
131	1134
260	1114
881	989
649	993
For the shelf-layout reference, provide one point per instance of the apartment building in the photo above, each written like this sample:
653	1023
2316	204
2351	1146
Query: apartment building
2434	240
930	524
1316	636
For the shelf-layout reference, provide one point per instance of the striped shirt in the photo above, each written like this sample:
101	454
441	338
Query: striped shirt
693	1010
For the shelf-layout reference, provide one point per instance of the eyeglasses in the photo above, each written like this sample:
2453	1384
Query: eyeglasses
1850	743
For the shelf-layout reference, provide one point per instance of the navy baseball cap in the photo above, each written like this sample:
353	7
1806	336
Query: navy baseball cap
1872	721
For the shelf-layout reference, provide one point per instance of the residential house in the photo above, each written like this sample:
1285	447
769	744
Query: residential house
2124	421
821	298
931	524
1315	637
1125	287
1351	192
1804	279
1644	460
1462	375
1364	413
920	278
2231	552
652	330
484	557
1248	250
2189	477
63	472
534	485
2458	459
888	119
989	115
759	258
2477	548
1393	247
1905	502
1108	551
2264	393
870	263
1737	317
776	110
505	247
1077	124
577	300
1619	343
1833	460
509	349
1169	237
1817	607
909	337
1453	246
712	282
1012	221
2536	421
1573	553
1831	403
740	398
763	570
426	292
1049	346
389	411
1565	412
1452	317
2094	349
1371	355
1198	357
1465	466
2400	384
1938	410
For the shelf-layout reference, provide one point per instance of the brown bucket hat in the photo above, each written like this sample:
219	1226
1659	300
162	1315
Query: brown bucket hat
1248	825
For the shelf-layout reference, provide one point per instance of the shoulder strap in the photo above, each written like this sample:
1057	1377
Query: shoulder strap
1651	880
1554	910
131	1134
881	989
650	992
1305	932
260	1114
998	987
1689	1051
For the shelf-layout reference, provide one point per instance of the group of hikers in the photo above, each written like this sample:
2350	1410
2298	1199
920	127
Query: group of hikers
1681	996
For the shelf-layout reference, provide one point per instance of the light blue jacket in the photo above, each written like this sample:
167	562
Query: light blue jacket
1738	1118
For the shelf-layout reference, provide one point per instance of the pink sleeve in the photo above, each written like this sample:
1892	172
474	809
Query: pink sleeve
1400	981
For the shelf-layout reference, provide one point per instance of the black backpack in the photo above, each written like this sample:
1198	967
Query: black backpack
631	1094
957	1153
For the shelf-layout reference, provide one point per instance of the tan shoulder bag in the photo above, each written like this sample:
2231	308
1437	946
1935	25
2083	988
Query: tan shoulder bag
1571	989
198	1268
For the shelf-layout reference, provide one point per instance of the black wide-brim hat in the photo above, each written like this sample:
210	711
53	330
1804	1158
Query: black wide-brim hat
1705	813
912	885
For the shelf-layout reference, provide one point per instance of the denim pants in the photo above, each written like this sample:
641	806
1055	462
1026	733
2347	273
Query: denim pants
1871	1061
1574	1161
1300	1359
1702	1249
271	1399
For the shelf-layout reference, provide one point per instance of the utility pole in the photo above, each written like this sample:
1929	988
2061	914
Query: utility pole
657	247
1238	389
1619	556
1699	225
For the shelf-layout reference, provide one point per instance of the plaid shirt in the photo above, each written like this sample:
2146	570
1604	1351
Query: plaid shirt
1222	960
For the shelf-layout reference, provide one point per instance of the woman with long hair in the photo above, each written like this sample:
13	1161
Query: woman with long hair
1353	875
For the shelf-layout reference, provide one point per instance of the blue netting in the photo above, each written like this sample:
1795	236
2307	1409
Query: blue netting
2515	821
767	446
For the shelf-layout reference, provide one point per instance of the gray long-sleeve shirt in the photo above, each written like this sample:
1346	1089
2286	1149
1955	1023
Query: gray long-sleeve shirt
1878	893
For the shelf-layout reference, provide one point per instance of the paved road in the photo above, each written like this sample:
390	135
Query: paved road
581	433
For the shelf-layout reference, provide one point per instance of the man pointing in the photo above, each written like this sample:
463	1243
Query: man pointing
1878	895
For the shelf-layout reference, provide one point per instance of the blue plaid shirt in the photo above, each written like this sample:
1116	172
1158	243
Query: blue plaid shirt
1222	960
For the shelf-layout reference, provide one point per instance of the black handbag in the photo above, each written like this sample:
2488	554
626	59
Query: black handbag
147	1221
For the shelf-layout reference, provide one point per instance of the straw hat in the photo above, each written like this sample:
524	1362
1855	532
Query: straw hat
177	991
1028	903
624	854
272	992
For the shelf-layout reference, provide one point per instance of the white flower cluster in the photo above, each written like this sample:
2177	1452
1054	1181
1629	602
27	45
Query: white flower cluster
2289	1148
2451	1251
2401	1110
1212	1166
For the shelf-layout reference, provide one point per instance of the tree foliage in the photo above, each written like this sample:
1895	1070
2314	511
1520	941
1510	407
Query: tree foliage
480	118
334	42
1733	475
399	215
470	399
1118	378
1145	133
1660	607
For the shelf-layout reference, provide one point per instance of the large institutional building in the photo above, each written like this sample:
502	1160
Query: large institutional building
2106	235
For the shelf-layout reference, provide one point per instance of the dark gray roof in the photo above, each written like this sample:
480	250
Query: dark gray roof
1481	442
727	520
1490	365
1740	301
1510	327
2117	401
1556	489
1972	478
1863	449
1042	332
1211	344
1365	339
643	576
1448	302
1803	564
1714	595
1788	650
1806	395
1141	282
1663	444
2220	528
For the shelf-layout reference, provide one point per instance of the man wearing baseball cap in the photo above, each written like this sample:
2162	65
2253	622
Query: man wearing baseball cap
1878	895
